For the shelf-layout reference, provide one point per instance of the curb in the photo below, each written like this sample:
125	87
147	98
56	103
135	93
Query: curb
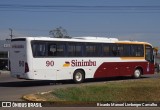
32	97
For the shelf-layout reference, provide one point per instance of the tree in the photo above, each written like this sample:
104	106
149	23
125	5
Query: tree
59	33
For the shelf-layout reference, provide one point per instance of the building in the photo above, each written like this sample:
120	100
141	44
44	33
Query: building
4	54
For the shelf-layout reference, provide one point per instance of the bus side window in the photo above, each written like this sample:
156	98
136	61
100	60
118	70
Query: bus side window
105	50
127	50
39	49
137	50
56	49
114	50
120	50
74	50
92	50
52	50
60	50
42	50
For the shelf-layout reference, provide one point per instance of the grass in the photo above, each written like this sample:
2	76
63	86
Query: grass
132	90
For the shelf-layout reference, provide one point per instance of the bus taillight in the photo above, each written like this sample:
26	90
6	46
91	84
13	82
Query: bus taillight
26	68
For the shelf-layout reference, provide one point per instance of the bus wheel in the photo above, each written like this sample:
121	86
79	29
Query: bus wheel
78	76
137	73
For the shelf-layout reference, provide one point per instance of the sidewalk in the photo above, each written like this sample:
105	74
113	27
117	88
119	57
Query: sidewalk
4	72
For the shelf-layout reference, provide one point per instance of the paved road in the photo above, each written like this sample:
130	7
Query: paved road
12	89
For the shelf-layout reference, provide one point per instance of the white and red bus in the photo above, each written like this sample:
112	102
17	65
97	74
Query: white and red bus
45	58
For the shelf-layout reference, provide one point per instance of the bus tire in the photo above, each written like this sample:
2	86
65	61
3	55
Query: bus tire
137	73
78	76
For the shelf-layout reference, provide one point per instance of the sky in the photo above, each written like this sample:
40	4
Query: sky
137	20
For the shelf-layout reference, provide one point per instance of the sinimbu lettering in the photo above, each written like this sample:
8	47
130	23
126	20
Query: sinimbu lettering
82	63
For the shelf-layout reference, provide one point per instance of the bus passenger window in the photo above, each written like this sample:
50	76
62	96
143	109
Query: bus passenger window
52	50
60	50
56	50
74	50
113	50
92	50
39	49
127	50
120	50
105	50
137	50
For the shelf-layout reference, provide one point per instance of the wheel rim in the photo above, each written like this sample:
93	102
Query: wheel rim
137	73
78	76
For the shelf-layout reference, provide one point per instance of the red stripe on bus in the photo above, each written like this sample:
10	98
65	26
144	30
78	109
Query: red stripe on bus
110	69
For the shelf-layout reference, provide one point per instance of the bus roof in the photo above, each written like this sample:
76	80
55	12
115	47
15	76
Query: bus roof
85	39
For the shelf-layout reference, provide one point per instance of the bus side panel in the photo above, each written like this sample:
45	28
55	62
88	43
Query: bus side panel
43	69
149	68
67	66
106	69
66	69
53	68
110	69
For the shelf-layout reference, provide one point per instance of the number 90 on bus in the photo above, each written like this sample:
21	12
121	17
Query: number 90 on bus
49	63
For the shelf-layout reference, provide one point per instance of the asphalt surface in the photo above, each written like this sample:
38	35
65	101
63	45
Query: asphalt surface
12	89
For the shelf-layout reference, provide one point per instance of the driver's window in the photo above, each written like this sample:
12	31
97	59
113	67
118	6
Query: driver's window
149	54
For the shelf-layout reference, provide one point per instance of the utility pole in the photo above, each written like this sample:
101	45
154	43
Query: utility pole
11	33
